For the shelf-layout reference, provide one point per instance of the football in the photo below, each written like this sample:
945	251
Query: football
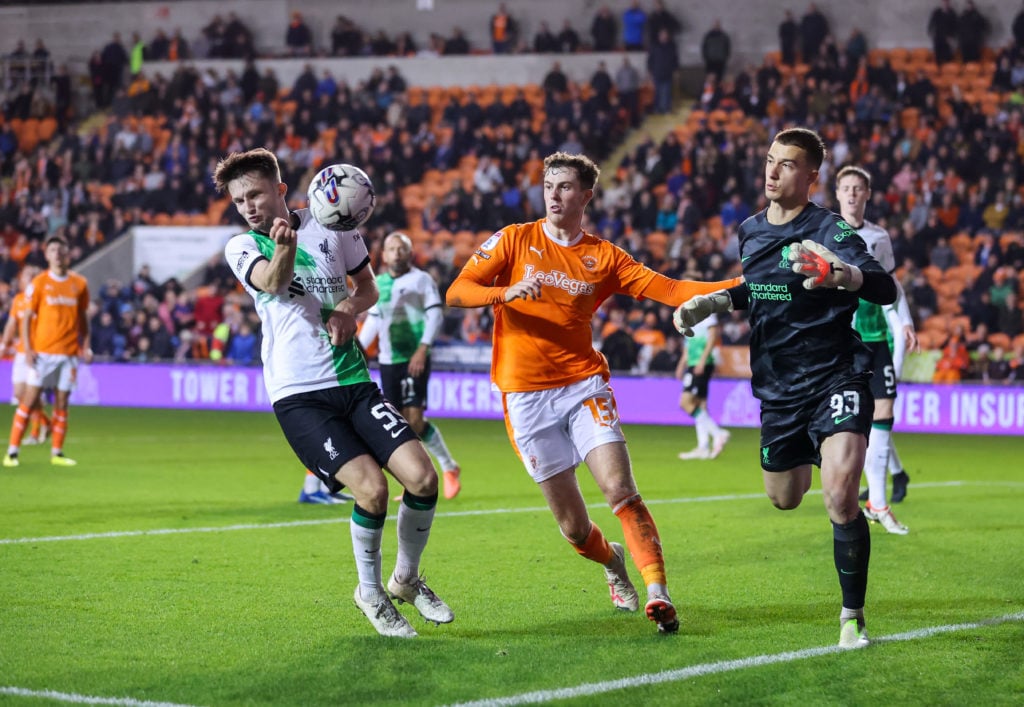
341	197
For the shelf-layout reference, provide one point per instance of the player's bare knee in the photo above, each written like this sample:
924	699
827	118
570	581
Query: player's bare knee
421	481
785	502
574	532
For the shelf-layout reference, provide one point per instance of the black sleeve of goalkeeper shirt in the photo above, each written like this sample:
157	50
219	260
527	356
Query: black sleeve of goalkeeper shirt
740	296
878	287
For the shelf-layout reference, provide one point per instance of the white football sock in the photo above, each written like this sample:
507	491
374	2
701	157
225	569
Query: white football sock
366	548
700	421
434	443
875	462
311	484
895	465
413	533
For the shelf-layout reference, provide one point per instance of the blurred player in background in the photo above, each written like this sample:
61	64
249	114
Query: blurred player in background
335	418
55	331
39	422
315	491
405	321
546	279
695	370
876	324
805	271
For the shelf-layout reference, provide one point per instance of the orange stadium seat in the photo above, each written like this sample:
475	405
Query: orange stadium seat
921	55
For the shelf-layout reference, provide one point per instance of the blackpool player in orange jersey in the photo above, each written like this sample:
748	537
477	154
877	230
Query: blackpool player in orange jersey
19	369
55	330
545	280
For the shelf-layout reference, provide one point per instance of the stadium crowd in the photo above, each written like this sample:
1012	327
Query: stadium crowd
946	162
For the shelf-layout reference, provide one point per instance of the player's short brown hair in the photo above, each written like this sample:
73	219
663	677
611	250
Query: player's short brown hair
854	171
808	141
259	160
586	170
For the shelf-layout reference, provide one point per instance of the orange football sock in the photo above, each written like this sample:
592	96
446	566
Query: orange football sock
60	428
642	539
18	425
595	547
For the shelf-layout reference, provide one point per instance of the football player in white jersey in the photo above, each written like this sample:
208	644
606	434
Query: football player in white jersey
405	321
877	326
335	418
695	370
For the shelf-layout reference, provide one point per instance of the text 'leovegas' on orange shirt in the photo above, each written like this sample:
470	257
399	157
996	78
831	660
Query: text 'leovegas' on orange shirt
547	343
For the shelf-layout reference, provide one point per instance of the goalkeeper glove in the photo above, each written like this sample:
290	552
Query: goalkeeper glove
823	268
697	309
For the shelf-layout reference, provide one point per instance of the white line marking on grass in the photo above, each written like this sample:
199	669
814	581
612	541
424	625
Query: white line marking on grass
725	666
443	514
84	699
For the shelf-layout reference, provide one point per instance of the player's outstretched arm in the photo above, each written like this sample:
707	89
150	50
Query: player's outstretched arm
823	268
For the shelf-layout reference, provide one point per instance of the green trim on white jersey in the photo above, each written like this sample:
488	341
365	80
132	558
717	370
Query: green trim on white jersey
696	344
408	313
298	356
870	320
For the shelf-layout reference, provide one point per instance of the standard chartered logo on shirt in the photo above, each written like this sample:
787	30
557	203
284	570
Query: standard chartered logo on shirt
770	291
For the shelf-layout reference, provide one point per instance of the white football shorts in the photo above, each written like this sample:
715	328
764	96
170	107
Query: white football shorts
53	371
553	430
19	369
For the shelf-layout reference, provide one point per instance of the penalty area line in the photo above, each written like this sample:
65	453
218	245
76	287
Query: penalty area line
75	699
725	666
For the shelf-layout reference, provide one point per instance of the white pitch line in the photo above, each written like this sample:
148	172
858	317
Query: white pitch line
443	514
85	699
725	666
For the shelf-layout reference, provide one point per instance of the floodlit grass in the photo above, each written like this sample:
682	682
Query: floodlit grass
256	609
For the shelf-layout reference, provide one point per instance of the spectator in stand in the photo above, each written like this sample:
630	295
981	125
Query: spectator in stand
666	360
995	214
457	44
1011	320
242	347
972	29
298	38
662	64
942	255
662	18
545	41
238	38
789	39
813	30
942	28
922	297
997	369
604	30
955	360
113	60
978	307
503	31
627	87
568	39
1018	29
715	49
634	27
346	38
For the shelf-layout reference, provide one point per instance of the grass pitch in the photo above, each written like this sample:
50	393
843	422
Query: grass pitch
173	565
